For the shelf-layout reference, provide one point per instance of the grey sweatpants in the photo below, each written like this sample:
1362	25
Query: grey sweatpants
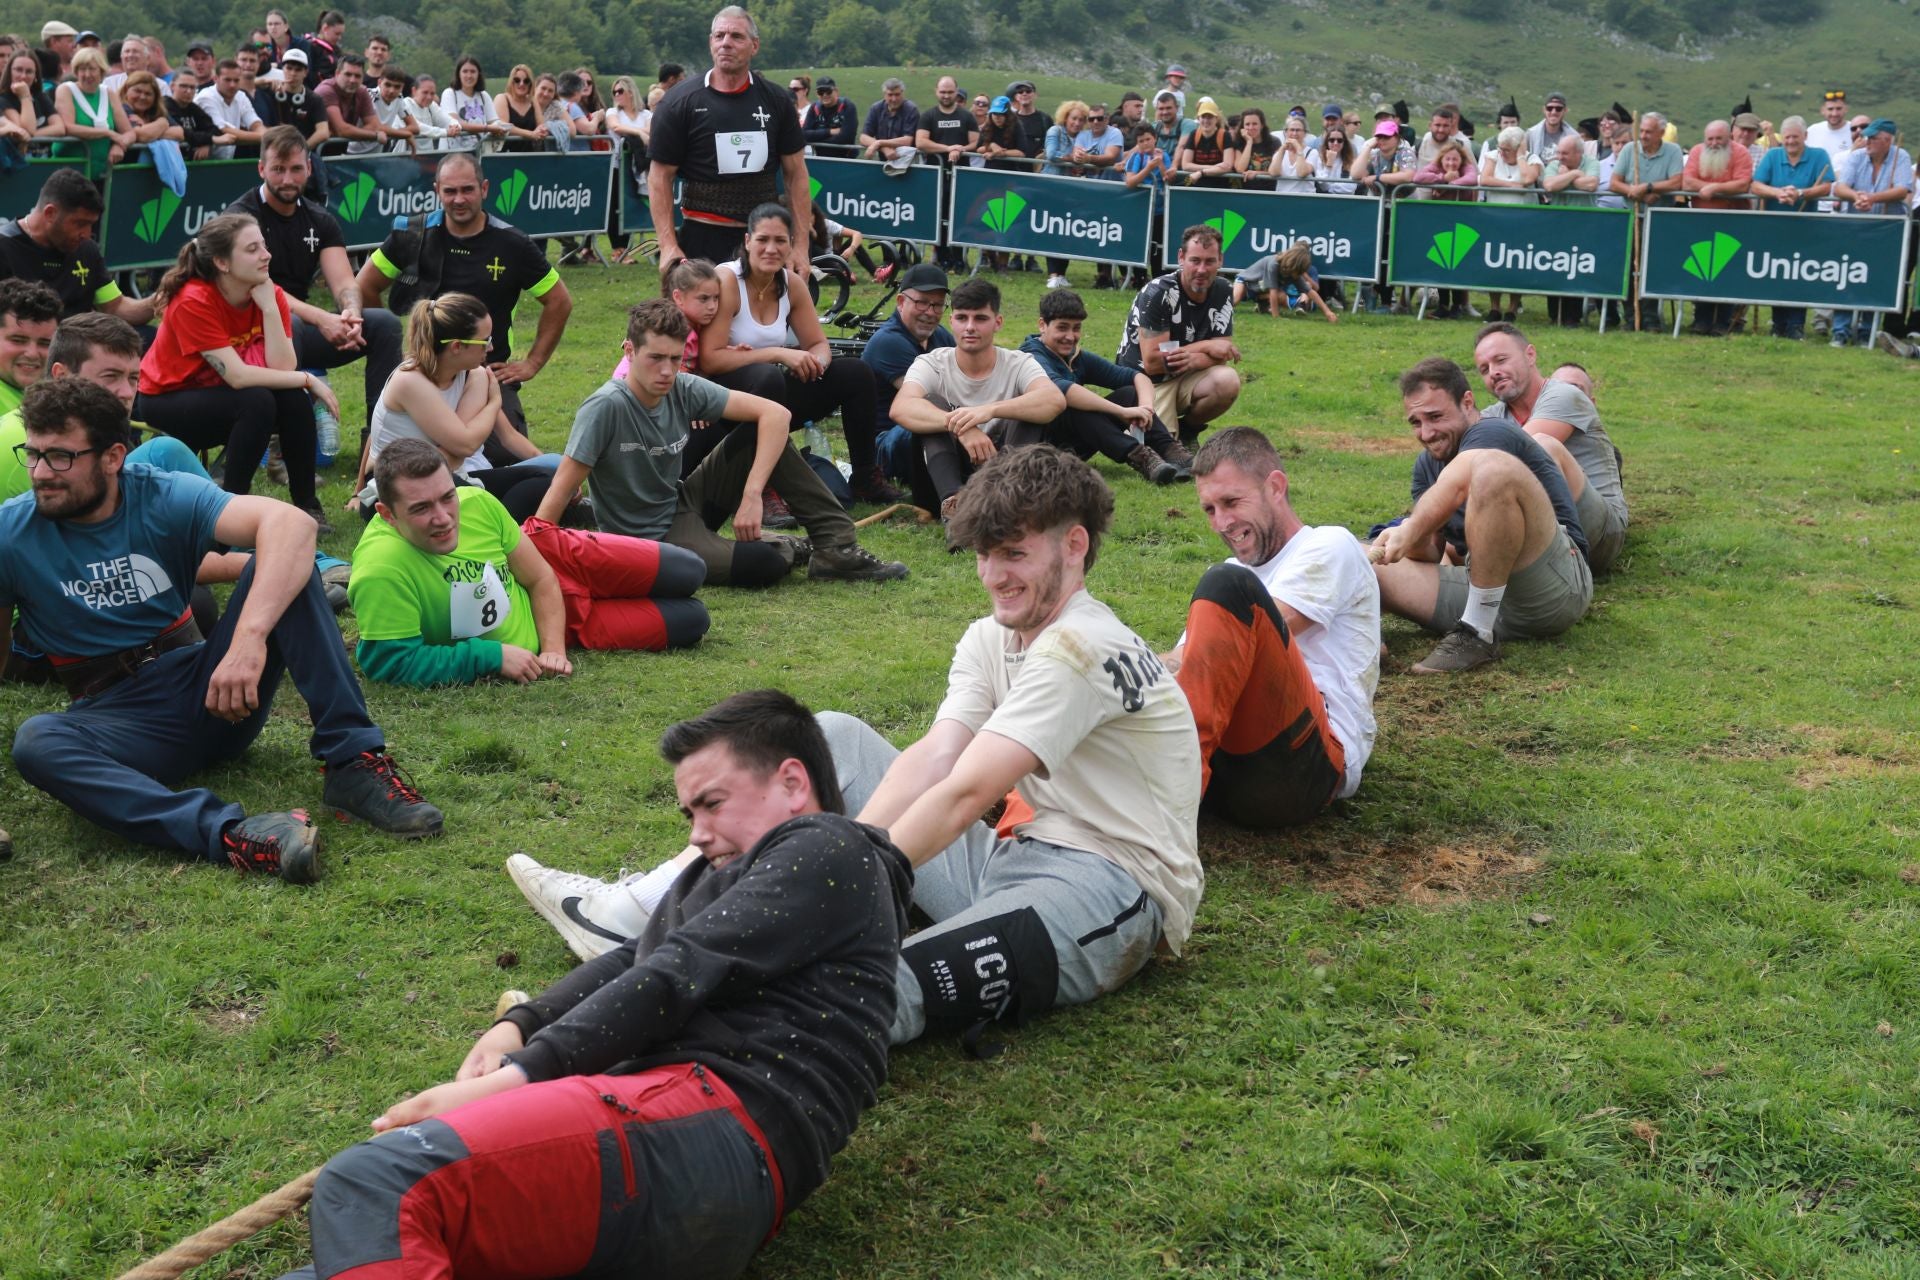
1103	925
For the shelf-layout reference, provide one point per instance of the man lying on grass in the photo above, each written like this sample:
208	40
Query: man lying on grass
448	590
1093	865
658	1111
1279	663
100	563
1494	546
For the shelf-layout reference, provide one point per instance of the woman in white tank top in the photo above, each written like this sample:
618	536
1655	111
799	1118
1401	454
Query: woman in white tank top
766	340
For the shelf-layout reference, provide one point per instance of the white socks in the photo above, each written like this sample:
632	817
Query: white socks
1483	607
625	905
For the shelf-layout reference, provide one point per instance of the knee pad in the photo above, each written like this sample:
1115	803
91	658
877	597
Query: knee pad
1240	592
999	968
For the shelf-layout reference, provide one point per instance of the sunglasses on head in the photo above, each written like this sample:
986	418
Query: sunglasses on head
1836	95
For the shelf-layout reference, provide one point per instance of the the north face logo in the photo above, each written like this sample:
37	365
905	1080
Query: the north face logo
109	584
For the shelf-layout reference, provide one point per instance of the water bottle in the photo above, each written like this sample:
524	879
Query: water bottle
326	434
816	442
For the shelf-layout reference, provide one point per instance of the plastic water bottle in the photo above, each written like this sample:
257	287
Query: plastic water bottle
326	434
816	442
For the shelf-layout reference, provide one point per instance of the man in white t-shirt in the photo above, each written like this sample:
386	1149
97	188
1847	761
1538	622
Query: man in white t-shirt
1094	864
230	109
1282	649
967	402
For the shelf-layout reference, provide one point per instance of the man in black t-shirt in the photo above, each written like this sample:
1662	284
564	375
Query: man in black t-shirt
54	245
1033	123
831	118
289	101
1493	547
1180	333
306	241
949	131
725	136
464	249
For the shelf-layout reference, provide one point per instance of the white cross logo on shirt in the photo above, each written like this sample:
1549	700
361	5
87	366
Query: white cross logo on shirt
762	116
311	239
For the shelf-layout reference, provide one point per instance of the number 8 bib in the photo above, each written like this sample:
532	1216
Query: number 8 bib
478	607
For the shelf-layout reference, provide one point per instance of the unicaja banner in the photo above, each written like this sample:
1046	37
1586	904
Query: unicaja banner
366	194
1344	231
1575	251
862	195
550	195
1793	259
145	223
1061	217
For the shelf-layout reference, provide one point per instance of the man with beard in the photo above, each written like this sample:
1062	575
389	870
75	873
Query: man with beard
1179	332
54	245
1281	653
1717	174
100	564
306	241
1493	546
910	332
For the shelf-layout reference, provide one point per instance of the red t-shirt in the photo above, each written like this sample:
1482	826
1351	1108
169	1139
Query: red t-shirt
199	319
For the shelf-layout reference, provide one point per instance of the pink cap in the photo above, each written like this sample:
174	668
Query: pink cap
1386	129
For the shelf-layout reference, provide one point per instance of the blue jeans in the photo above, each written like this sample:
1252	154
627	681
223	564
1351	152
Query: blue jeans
1852	326
113	758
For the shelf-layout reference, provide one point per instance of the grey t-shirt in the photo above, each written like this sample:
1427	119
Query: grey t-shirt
634	452
938	374
1589	445
1504	435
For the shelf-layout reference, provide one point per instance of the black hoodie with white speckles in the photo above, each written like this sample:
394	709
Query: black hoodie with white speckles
776	971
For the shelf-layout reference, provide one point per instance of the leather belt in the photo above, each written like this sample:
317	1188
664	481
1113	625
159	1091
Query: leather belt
89	677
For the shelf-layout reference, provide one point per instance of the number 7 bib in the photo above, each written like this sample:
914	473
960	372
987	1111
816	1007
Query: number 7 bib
741	152
478	607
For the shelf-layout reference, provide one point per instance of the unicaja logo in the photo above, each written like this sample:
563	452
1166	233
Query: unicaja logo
512	187
1708	258
1229	224
813	188
155	214
1450	248
1001	214
354	196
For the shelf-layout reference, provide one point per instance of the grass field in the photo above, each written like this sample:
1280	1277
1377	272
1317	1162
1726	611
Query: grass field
1609	969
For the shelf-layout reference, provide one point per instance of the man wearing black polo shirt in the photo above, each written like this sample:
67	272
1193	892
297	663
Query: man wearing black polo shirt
54	245
725	137
306	240
464	249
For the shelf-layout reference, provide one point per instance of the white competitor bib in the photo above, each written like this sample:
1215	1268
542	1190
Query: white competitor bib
744	151
479	607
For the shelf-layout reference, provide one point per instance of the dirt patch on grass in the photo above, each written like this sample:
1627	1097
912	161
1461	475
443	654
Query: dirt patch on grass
1347	442
1440	873
230	1017
1822	754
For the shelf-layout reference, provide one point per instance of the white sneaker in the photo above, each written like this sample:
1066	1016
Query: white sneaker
561	898
1057	282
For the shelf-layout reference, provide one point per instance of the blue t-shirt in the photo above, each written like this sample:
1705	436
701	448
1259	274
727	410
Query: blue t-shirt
1501	434
89	589
889	353
1774	170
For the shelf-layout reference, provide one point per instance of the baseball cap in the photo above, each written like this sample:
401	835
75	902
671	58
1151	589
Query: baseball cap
295	55
1020	86
1746	120
824	82
1330	110
1000	105
1387	129
1175	69
54	29
85	36
1207	107
1879	126
925	277
1560	98
200	46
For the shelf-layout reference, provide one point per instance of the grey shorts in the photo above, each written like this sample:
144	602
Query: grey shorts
1606	534
1543	599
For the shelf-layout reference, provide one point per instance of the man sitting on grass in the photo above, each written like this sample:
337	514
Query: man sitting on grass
629	435
659	1111
1493	547
1562	420
1122	425
100	563
1094	864
448	590
1180	334
1280	663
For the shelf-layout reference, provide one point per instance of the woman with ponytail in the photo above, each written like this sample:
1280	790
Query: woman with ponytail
222	370
444	393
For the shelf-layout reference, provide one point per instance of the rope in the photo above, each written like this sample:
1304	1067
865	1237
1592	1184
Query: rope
229	1231
898	508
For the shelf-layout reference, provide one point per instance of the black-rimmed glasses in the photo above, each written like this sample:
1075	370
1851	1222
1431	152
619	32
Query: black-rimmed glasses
56	459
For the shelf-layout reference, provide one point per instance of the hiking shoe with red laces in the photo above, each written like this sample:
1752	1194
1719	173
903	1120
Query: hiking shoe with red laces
872	486
372	788
774	512
275	844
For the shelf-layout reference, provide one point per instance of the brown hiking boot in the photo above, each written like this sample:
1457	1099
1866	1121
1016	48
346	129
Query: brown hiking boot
1181	457
1154	468
852	563
1461	649
872	486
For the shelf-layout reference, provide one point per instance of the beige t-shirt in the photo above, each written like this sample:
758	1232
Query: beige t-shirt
1119	755
938	374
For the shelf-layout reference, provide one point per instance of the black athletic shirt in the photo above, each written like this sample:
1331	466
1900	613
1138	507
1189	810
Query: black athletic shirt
495	266
1502	434
277	107
955	128
295	241
1033	132
709	135
79	280
777	972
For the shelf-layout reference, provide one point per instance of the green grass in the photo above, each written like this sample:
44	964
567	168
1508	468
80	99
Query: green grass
1369	1062
1309	54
